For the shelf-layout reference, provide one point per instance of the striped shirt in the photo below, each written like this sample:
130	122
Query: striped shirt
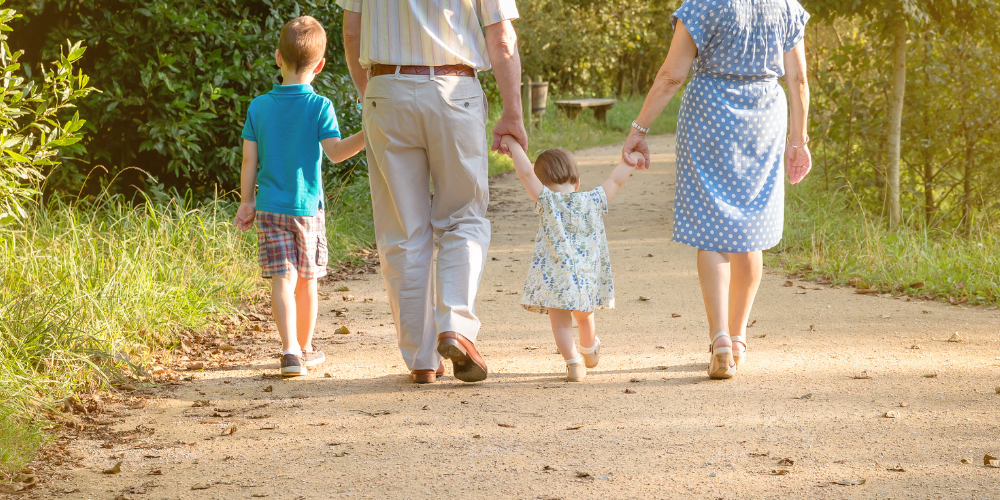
427	32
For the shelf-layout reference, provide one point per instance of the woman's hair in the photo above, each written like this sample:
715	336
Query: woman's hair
556	166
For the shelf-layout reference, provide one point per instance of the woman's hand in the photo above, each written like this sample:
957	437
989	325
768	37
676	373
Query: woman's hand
636	143
798	161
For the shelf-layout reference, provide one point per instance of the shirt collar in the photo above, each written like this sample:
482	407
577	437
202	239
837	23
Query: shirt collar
292	89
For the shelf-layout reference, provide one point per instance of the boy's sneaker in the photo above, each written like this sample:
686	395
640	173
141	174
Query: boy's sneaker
292	366
316	357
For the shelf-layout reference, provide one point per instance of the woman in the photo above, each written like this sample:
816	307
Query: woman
731	136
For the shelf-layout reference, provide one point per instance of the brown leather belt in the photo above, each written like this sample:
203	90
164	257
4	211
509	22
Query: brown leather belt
449	70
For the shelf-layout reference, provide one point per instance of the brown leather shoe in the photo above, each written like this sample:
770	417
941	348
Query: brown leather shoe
427	376
467	364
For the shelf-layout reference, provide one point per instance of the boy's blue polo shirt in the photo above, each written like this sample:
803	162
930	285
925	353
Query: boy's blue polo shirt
287	124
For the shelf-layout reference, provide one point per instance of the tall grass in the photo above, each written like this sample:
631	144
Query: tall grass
89	290
555	129
828	235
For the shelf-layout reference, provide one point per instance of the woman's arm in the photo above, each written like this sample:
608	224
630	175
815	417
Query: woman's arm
669	79
522	165
338	150
798	160
618	176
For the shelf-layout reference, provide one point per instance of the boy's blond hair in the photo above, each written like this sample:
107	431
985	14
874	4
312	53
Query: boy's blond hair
302	43
556	166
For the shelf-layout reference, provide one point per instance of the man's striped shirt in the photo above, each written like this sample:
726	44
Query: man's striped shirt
427	32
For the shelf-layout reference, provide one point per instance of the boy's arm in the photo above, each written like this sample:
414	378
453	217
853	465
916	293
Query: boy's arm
618	176
338	150
522	165
248	184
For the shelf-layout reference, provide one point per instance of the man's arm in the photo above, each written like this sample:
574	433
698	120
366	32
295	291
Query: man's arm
339	150
501	43
352	50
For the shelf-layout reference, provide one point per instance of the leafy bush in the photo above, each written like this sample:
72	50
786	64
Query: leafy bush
31	126
176	76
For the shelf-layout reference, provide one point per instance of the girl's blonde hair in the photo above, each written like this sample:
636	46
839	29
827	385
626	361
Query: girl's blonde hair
556	166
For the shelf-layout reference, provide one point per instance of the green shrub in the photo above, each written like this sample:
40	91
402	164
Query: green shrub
176	76
32	123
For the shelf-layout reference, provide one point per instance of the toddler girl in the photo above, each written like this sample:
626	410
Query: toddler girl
570	274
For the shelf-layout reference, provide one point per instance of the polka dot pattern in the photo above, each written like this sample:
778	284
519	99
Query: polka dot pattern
732	124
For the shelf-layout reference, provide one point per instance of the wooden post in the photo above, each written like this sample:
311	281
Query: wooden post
526	103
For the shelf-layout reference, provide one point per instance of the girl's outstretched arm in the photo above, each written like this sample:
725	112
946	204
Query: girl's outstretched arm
522	165
618	176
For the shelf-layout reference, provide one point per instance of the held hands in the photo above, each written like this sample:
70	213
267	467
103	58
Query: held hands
245	216
512	127
636	150
508	144
798	161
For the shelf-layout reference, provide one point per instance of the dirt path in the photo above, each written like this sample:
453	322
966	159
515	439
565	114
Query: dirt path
356	428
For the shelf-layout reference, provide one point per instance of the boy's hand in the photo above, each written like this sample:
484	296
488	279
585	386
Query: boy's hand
245	216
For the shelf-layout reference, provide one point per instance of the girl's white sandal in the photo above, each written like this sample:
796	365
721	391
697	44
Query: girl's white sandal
575	370
718	365
739	355
590	359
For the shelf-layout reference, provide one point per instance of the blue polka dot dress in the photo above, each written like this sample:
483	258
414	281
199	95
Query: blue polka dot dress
732	123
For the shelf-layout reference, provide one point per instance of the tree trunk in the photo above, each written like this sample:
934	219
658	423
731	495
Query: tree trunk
900	34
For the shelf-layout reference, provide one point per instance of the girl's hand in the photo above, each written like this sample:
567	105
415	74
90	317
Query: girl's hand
798	161
245	216
636	143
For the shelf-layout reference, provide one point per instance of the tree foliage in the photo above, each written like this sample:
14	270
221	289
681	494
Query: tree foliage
176	78
33	122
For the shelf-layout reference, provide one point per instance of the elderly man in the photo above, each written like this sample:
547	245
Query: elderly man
416	63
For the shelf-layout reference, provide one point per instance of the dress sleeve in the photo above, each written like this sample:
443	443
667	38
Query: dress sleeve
544	203
494	11
327	126
796	28
351	5
600	199
698	20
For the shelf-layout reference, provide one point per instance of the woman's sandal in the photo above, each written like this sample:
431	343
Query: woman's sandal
739	355
718	366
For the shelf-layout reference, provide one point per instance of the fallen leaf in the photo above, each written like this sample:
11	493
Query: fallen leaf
267	427
342	330
210	421
805	396
955	338
661	367
916	346
155	472
760	336
786	462
196	366
509	426
643	298
649	255
229	431
629	391
966	460
349	298
891	414
150	456
851	482
759	454
997	389
549	468
779	472
268	389
930	375
904	404
661	347
531	348
636	380
862	376
200	487
583	474
675	315
865	291
789	284
342	288
896	469
327	375
987	459
800	292
117	469
919	284
573	428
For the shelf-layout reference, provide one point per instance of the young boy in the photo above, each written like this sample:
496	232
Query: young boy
287	131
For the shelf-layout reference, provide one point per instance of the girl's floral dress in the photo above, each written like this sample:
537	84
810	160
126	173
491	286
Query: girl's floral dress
570	267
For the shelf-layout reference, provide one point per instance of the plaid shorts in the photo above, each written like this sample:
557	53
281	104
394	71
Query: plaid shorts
287	243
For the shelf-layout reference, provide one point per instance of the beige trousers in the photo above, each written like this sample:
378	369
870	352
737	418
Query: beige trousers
421	130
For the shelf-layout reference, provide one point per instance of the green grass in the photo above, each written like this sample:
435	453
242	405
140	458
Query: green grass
555	130
828	236
88	291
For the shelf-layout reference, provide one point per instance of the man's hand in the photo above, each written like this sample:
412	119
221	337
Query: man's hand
798	161
245	216
636	143
512	127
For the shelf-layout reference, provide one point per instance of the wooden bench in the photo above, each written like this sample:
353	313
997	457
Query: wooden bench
572	107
